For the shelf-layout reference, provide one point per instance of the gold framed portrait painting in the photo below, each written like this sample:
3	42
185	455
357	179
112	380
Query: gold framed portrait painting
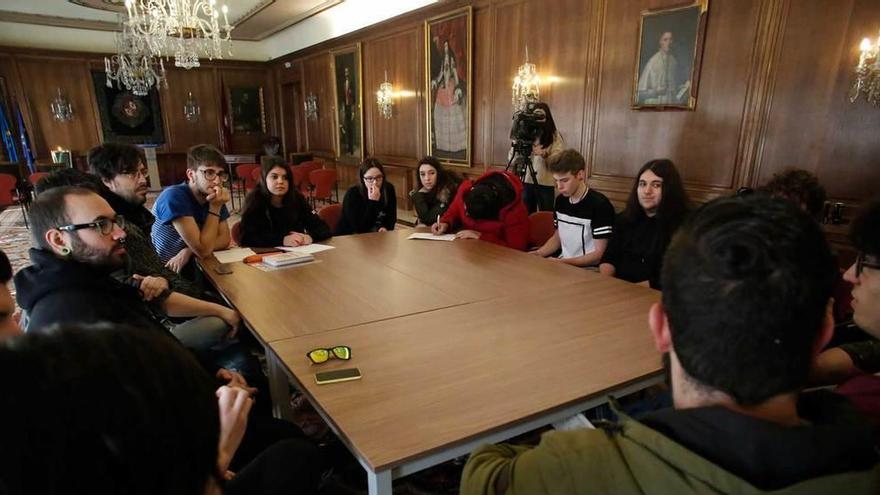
668	58
448	74
347	85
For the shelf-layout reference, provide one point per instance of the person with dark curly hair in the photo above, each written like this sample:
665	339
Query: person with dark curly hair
800	187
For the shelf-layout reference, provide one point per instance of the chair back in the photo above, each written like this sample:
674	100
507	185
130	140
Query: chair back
7	189
324	181
36	176
299	175
257	175
245	173
306	168
540	228
235	233
331	214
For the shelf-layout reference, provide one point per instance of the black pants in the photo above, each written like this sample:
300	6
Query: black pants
538	197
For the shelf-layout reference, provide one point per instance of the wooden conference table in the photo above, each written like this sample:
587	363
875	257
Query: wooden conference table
459	343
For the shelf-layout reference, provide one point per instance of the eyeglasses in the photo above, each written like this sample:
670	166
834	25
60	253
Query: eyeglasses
861	264
373	178
211	174
104	225
322	355
137	174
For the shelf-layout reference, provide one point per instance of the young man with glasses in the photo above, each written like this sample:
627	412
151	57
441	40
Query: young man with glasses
744	311
191	217
121	170
79	242
852	365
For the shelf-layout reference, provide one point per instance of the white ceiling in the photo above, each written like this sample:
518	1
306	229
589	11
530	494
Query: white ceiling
277	27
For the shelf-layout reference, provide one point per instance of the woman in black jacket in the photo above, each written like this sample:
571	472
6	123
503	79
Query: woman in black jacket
371	205
435	190
276	214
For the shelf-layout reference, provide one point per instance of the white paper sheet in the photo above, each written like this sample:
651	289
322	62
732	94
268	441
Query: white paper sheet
309	249
233	255
432	237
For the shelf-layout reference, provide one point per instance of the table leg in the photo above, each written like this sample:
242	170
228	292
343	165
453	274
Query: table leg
279	387
379	483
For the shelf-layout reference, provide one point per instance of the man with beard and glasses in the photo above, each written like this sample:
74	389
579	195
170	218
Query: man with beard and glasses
191	216
745	310
78	244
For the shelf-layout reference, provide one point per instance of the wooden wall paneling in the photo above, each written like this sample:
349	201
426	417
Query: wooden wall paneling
481	102
703	143
400	139
316	80
181	133
40	78
257	76
812	125
509	37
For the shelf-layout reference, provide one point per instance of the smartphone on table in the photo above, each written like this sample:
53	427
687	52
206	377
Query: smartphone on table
334	376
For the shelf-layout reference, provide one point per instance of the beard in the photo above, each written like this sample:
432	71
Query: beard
102	260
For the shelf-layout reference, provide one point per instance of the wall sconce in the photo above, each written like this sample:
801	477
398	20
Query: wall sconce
191	109
385	98
867	80
62	110
526	85
312	107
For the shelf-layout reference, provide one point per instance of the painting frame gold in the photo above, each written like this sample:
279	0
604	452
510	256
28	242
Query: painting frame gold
658	81
338	59
443	36
236	124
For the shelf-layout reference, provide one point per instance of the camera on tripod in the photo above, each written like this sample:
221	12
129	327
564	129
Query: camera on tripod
528	125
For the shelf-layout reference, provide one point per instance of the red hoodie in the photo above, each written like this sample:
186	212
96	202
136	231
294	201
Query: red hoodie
512	227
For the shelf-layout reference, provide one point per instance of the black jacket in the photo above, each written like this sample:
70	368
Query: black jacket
360	215
53	290
268	227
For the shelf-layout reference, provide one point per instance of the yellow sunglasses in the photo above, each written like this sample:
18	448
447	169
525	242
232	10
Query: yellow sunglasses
323	355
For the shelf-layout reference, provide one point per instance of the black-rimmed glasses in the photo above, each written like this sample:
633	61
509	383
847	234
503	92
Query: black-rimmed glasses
104	225
141	172
861	264
371	179
211	174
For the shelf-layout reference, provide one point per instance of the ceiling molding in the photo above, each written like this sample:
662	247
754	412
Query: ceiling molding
294	20
117	6
51	20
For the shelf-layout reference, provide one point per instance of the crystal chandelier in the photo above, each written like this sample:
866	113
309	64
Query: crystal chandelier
62	110
384	98
867	80
184	28
526	84
133	66
312	107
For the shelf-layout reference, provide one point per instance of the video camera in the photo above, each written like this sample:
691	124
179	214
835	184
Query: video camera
527	127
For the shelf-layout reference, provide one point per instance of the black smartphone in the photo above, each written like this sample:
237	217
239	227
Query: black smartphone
223	268
334	376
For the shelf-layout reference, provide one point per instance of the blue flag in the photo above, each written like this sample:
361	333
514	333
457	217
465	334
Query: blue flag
25	148
8	140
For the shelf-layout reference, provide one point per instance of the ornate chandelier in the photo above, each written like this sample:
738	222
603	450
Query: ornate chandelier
133	66
867	80
385	98
184	28
526	85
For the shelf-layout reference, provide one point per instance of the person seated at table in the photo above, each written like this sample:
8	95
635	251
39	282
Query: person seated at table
854	364
78	244
371	205
435	189
276	214
583	216
743	315
191	216
489	208
8	326
656	206
109	409
800	187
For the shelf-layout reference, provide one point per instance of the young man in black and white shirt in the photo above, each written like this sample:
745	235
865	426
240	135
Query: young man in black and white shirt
584	217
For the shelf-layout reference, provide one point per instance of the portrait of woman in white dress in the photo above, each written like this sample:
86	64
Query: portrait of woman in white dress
450	126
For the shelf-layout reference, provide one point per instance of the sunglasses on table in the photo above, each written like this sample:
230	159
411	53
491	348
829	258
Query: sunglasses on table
322	355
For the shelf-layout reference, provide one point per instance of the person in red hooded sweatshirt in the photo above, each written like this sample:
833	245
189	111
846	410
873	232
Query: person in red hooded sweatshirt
489	208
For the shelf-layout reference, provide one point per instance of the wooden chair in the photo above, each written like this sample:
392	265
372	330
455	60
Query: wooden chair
331	214
324	182
7	189
36	176
305	169
244	172
257	176
541	228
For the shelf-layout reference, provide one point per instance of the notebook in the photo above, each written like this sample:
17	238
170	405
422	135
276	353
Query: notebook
286	259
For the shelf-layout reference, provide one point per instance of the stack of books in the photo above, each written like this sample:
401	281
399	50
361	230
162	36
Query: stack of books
287	259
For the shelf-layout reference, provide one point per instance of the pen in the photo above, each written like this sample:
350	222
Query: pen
438	219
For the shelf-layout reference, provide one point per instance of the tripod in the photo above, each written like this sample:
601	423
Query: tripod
521	161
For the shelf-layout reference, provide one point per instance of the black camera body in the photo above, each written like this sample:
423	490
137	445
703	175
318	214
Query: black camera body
527	127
